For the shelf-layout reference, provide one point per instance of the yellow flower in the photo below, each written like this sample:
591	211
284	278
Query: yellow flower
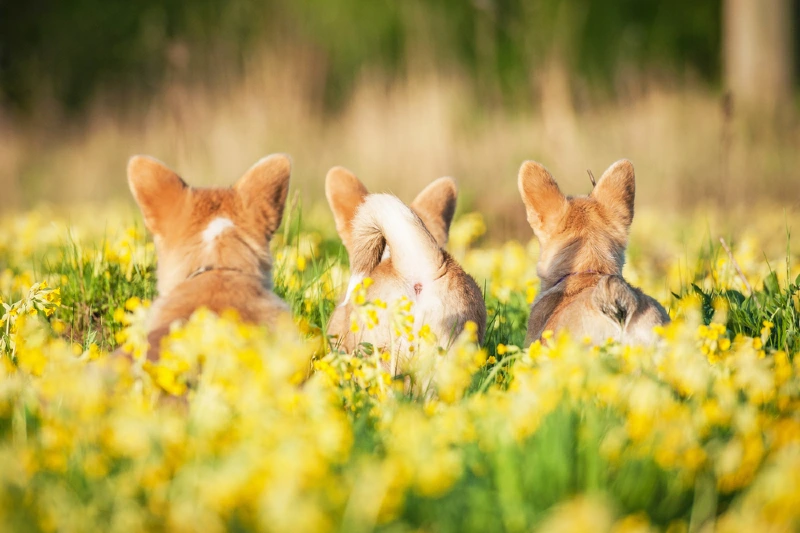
133	303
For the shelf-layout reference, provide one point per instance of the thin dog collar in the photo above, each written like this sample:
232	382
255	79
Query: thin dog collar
575	274
209	268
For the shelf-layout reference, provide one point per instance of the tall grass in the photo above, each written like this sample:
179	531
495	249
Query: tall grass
687	147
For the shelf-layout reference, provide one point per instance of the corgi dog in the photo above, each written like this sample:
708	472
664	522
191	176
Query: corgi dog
582	242
400	248
212	244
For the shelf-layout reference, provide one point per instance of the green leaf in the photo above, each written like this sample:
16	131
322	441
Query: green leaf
771	285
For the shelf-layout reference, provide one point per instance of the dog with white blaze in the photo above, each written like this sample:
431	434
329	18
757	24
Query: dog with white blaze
399	248
212	244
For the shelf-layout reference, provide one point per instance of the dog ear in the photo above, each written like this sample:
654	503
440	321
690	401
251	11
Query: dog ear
616	190
436	205
158	191
345	193
263	190
542	198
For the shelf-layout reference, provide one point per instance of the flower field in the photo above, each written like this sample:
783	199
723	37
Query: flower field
699	432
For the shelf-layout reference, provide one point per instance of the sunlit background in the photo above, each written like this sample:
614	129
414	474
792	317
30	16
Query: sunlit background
701	96
239	427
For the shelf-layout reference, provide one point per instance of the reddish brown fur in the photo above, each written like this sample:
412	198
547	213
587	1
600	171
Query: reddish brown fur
582	250
231	271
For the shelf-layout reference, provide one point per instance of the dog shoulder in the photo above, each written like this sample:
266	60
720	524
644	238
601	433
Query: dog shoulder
543	313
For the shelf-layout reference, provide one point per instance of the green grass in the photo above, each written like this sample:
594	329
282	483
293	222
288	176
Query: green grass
503	481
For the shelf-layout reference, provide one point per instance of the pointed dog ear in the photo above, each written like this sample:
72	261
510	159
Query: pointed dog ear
543	200
345	193
616	191
436	205
158	191
263	190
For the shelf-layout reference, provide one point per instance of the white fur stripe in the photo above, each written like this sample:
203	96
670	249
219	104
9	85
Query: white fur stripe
215	229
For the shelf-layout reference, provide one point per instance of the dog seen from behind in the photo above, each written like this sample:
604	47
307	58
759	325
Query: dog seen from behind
212	244
400	249
582	244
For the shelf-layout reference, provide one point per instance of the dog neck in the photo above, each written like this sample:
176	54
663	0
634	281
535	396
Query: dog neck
565	276
209	268
559	261
265	280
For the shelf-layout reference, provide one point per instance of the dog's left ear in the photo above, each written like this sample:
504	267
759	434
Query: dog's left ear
544	202
616	191
345	194
160	192
436	205
263	190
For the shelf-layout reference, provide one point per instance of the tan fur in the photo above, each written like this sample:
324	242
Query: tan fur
436	205
345	193
232	270
444	296
582	244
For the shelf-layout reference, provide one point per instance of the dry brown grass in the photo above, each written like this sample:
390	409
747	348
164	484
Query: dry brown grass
397	137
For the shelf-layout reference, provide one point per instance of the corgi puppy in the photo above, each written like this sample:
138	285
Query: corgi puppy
582	242
400	248
212	244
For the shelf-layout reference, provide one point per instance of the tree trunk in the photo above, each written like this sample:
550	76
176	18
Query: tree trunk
758	54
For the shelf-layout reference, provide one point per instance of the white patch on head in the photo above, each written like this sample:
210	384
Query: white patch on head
215	229
355	279
386	254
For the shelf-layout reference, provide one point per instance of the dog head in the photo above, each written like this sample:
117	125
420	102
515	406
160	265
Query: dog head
435	205
582	233
220	228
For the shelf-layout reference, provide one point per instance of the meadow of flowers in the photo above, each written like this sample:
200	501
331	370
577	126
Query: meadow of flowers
238	428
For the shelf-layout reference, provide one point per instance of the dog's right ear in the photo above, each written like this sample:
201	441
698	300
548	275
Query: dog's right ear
158	190
345	193
436	205
543	199
616	190
263	190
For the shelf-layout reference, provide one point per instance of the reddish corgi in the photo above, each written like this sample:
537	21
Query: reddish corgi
212	244
582	242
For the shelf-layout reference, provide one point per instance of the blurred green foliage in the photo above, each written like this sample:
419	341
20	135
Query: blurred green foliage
69	51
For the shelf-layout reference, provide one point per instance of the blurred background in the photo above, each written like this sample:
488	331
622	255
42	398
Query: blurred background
701	96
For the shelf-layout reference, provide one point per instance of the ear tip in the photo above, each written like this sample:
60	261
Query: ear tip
280	160
531	172
141	166
340	179
137	159
531	167
448	183
623	164
337	172
530	164
283	157
136	162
